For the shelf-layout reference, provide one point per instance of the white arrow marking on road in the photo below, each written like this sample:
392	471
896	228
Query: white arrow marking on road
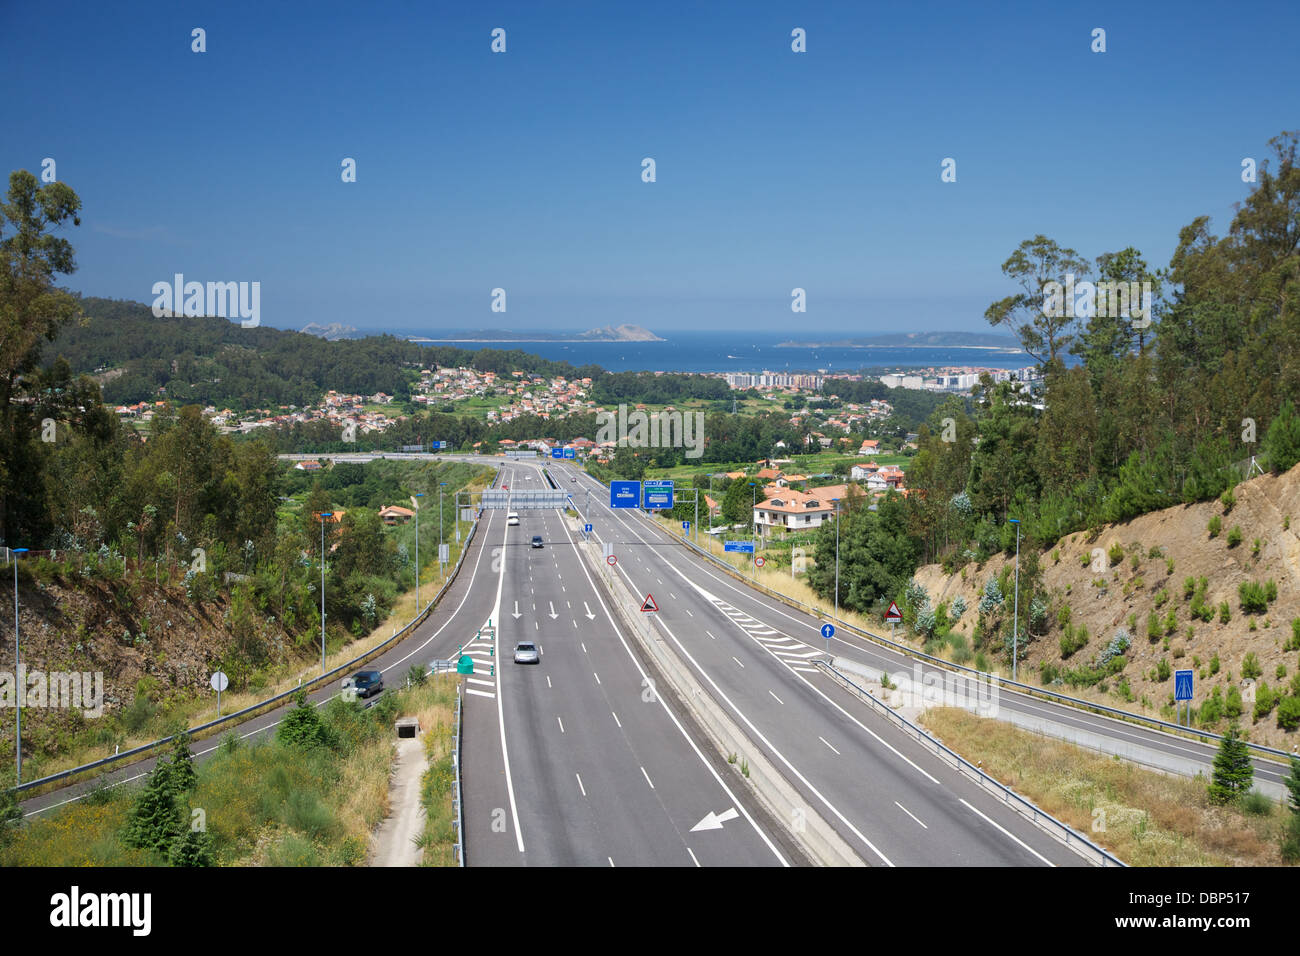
590	616
714	821
516	615
553	614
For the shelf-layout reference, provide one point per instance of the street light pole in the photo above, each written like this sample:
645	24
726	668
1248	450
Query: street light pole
417	550
836	502
323	516
18	673
1015	620
441	484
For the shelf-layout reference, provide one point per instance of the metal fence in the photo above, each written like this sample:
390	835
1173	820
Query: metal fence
249	711
455	762
1204	736
1026	808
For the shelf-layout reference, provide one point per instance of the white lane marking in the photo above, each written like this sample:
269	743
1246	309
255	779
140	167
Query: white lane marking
548	680
475	680
777	699
828	744
736	659
580	786
584	646
616	720
910	813
688	614
697	862
710	635
611	860
595	675
478	693
647	778
672	595
1010	834
560	722
708	766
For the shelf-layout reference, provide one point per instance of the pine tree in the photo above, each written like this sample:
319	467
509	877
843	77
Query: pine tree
1233	771
182	771
156	819
192	849
1292	782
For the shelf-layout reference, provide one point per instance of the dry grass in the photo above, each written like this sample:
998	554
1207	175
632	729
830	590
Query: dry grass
437	712
1148	818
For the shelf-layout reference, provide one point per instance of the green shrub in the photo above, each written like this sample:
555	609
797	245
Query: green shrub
303	726
1254	549
1293	643
1225	615
1250	666
1227	499
1253	597
1163	670
1265	701
1288	713
1115	554
1232	705
1189	588
1214	526
1154	627
1214	663
1211	711
1256	804
1234	536
1233	770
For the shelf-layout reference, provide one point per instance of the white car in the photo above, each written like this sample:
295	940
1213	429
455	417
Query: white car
512	518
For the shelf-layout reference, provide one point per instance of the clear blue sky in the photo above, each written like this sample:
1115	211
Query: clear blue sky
523	170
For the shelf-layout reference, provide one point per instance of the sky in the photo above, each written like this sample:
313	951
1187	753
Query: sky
523	170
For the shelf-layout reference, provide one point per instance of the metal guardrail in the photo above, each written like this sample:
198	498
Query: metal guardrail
1205	736
1026	808
238	715
455	762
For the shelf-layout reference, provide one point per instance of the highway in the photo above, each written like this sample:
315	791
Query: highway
893	801
577	760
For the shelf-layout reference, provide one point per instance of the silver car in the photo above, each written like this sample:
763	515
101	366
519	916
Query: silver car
526	653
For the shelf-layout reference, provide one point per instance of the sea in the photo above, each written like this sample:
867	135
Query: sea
754	352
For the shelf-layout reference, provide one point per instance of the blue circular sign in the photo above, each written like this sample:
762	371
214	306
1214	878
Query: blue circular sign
828	631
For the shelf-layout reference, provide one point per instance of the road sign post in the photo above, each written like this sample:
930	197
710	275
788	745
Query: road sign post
219	683
893	616
1183	685
828	631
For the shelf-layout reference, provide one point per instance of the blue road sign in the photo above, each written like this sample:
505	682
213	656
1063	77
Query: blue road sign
587	528
659	494
569	453
438	444
1183	685
686	526
625	494
745	547
557	452
828	631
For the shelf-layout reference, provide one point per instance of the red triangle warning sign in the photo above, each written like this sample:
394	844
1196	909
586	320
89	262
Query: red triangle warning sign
893	614
649	603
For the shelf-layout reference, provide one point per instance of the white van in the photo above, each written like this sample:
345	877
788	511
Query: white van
512	518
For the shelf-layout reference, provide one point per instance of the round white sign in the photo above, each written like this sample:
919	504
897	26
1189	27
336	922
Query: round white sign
219	681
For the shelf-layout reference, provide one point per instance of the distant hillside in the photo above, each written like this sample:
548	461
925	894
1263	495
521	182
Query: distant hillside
332	332
951	340
213	361
1137	582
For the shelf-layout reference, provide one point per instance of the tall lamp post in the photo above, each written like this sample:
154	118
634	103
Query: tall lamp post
22	684
836	503
416	506
323	515
1015	620
441	485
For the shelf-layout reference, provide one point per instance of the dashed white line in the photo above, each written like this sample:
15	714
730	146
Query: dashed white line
697	862
910	813
828	744
548	680
710	635
688	614
584	646
777	699
595	675
736	659
1010	834
616	720
647	778
561	723
580	786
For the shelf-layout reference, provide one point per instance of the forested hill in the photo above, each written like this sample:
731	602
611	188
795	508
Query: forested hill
214	361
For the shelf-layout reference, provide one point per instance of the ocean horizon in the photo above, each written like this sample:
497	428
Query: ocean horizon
757	352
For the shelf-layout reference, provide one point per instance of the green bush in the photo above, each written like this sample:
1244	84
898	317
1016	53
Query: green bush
1154	627
1215	526
1234	536
1256	804
1163	670
1225	615
1265	701
1116	553
1254	549
1288	713
1211	711
1253	597
302	726
1250	666
1073	639
1214	663
1189	587
1227	499
1233	770
1232	706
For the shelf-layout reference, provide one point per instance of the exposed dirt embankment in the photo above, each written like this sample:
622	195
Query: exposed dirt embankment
1106	590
